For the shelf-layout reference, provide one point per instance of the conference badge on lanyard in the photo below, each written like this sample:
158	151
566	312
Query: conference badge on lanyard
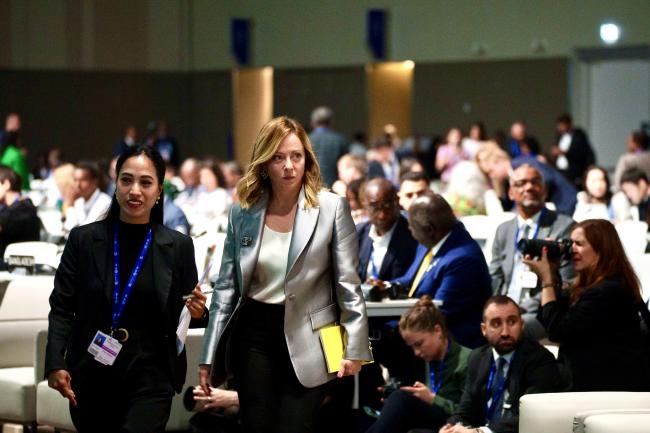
105	348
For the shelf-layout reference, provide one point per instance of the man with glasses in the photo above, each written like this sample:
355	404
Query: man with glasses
386	247
533	221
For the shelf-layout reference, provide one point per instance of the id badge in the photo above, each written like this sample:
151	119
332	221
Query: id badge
104	348
528	280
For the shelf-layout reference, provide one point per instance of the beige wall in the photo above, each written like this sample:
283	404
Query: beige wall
177	35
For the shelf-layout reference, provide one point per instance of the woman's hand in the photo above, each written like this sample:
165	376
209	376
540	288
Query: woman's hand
217	398
349	367
60	380
196	304
544	269
204	378
420	391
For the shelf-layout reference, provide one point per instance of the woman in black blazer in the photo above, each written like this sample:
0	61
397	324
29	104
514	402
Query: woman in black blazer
596	321
119	288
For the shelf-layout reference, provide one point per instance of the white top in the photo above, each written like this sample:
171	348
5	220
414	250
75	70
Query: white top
85	212
271	269
379	247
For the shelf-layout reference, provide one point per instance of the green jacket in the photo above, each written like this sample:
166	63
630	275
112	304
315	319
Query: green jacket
453	376
14	159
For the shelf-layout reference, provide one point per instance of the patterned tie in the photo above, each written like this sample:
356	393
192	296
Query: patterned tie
426	261
498	378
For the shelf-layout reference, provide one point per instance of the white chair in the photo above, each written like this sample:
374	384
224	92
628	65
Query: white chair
483	228
52	222
633	236
43	253
554	412
23	313
612	421
641	265
179	418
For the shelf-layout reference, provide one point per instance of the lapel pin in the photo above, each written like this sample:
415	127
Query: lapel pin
246	241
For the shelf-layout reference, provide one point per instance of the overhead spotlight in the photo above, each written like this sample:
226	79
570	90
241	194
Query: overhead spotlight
610	33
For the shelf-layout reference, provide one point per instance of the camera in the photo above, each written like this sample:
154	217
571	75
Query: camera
560	249
391	386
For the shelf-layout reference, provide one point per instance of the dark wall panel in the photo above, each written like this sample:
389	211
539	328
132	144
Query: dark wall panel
85	113
496	92
298	91
211	110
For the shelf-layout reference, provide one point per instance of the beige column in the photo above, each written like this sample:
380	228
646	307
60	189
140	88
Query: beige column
252	97
390	90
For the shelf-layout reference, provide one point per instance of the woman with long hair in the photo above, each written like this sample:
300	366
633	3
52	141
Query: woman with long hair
429	404
288	270
596	321
118	295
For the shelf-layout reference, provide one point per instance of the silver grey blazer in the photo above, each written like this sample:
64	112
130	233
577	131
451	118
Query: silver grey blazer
321	286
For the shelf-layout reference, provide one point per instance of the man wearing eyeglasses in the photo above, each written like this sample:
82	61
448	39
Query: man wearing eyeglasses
533	221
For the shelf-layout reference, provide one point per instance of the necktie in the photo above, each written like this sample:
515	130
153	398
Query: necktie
426	261
497	398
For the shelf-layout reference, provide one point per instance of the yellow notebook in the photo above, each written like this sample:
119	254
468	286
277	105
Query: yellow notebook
332	339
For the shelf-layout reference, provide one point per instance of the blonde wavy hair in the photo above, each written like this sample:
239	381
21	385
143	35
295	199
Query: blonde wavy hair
252	186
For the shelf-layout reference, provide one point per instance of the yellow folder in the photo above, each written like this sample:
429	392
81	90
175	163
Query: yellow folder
332	338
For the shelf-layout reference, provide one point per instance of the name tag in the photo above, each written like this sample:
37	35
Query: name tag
104	348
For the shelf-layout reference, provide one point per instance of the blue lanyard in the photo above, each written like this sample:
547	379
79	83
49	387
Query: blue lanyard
435	385
500	389
535	233
118	305
373	267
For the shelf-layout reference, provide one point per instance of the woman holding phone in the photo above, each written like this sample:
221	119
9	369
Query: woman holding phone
288	270
117	298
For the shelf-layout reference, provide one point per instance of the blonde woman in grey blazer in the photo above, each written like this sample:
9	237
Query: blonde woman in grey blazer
288	270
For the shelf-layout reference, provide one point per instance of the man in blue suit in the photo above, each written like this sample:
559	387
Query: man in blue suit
449	266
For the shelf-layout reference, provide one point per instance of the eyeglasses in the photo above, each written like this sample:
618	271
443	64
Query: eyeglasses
536	181
377	207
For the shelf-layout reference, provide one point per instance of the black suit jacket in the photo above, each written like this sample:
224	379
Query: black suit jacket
399	256
82	297
533	370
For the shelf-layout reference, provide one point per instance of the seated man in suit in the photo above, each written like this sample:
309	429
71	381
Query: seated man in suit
509	275
449	266
501	372
386	247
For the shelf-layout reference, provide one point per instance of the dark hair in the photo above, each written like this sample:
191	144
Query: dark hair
381	142
565	118
432	212
482	135
414	176
423	317
158	162
90	166
608	192
641	139
499	300
612	261
633	175
15	181
355	187
407	163
215	168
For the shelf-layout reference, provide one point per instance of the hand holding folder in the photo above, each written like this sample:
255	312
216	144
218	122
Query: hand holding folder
333	341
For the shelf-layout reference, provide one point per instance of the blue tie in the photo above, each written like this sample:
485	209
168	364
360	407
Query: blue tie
497	404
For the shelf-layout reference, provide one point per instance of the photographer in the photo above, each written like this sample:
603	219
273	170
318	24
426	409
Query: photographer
596	321
426	405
